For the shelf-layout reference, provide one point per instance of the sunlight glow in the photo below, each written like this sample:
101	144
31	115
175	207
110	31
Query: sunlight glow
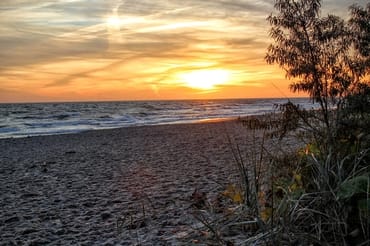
114	21
135	50
205	79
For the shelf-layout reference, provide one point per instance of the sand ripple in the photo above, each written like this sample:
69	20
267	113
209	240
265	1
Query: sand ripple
124	186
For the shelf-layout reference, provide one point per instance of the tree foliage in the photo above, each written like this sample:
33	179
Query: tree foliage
328	56
318	195
360	26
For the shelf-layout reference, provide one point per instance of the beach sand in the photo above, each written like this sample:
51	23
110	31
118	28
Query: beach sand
112	187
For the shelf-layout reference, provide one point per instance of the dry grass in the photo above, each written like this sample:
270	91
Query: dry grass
306	196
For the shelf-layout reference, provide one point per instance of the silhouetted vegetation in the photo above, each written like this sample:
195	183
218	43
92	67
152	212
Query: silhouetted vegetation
318	194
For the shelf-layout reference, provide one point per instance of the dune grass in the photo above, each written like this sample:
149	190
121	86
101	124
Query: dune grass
312	194
317	194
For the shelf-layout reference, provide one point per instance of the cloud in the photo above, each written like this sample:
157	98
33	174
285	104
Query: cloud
63	43
37	32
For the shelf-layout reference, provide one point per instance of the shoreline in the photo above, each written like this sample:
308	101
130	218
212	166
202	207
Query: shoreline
51	119
201	121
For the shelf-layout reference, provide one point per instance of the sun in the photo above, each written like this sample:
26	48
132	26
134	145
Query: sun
205	79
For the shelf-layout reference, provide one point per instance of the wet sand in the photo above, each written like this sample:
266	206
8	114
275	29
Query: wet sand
112	187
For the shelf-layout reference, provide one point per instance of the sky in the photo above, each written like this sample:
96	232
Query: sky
99	50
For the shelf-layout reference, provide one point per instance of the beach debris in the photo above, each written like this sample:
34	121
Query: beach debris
131	222
44	167
234	193
70	152
198	199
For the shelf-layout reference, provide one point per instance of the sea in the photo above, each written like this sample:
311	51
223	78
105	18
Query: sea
35	119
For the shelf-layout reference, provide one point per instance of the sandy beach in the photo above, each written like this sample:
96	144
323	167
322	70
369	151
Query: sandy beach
127	186
112	187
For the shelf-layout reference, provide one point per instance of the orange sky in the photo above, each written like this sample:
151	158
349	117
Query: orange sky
80	50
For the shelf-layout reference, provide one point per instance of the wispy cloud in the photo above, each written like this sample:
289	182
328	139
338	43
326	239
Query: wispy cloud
67	45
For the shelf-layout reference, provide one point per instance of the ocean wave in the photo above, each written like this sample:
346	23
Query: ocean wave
60	118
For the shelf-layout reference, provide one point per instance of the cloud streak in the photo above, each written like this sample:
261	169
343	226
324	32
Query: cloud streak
70	44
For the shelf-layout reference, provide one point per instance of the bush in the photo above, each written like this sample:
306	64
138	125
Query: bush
320	193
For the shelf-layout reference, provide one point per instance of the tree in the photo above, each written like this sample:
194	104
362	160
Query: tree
360	24
327	56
